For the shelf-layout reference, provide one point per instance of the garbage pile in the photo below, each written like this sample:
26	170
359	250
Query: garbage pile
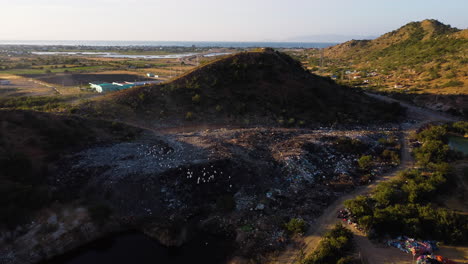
410	245
346	215
348	218
431	259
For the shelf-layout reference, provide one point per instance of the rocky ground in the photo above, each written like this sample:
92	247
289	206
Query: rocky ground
242	184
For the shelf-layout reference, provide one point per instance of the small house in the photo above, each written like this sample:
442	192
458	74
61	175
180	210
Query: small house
109	87
152	75
143	83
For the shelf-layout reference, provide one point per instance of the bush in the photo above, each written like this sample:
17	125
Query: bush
365	162
391	156
333	248
189	116
434	151
432	133
347	260
402	206
196	98
349	145
461	127
452	83
296	226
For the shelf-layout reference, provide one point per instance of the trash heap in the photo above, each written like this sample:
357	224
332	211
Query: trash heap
348	218
423	249
431	259
415	247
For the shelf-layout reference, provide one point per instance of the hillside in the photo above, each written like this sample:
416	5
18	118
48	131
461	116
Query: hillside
424	62
406	38
252	87
30	143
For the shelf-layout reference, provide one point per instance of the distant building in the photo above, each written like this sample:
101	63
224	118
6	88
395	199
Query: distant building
5	82
143	83
152	75
117	86
109	87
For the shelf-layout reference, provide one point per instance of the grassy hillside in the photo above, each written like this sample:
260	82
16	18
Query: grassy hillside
420	57
261	87
407	44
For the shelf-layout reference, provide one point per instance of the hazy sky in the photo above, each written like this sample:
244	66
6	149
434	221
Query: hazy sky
216	20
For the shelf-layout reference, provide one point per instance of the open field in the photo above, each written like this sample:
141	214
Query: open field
21	86
70	75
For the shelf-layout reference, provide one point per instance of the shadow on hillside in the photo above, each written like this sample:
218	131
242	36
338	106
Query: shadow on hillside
455	104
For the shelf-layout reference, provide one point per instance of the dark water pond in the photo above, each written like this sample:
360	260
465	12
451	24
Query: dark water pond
459	143
133	247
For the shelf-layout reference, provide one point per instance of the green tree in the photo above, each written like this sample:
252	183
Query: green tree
365	162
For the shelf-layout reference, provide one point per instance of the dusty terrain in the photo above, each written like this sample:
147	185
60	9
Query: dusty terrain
368	251
240	183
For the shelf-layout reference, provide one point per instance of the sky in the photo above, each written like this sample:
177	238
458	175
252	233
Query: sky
217	20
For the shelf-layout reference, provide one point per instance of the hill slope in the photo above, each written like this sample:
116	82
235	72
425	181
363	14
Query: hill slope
262	87
408	37
426	60
30	143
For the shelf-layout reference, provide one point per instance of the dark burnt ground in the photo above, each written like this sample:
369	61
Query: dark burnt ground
243	183
30	143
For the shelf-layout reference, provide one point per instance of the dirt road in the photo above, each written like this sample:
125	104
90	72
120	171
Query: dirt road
368	251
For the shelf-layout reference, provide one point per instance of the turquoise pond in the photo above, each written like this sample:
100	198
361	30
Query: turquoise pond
459	143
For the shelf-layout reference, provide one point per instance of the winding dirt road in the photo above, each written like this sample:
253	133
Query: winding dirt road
367	250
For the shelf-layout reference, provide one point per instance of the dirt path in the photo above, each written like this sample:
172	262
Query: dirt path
368	251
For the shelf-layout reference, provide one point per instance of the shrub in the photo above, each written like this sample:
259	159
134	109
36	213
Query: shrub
196	98
402	206
365	162
461	127
296	226
452	83
432	133
189	116
334	247
349	145
392	156
434	151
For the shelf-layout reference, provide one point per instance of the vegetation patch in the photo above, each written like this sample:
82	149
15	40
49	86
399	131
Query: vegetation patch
37	103
296	226
405	206
335	247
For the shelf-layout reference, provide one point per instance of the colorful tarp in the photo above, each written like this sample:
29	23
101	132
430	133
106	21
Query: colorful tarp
415	247
431	259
